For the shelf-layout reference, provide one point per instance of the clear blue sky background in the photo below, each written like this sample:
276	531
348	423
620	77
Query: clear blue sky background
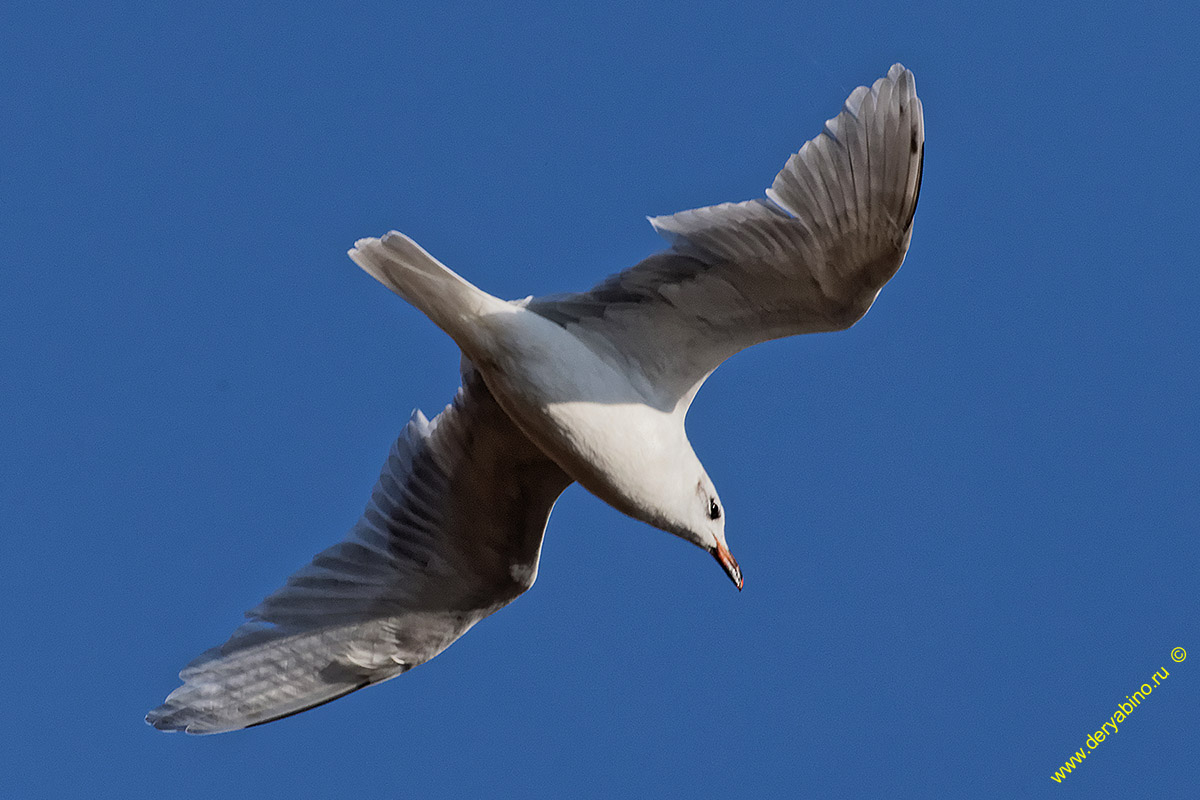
968	525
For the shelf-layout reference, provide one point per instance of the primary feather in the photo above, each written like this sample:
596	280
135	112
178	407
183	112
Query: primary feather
811	257
452	533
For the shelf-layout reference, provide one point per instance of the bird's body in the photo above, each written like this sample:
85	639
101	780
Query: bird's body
590	387
594	420
602	420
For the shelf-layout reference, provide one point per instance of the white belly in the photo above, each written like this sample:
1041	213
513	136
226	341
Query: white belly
584	411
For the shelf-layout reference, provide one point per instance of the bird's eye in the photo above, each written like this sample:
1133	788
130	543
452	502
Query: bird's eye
714	510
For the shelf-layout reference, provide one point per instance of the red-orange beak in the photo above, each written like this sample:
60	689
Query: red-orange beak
729	564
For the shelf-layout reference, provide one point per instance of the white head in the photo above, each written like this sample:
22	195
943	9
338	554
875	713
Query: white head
713	525
706	527
676	497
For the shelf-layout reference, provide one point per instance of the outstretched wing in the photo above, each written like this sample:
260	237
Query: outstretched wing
812	257
452	533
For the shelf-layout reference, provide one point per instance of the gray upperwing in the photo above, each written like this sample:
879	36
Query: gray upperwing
452	533
811	257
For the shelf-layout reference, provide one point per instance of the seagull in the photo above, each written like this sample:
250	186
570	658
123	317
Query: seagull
590	387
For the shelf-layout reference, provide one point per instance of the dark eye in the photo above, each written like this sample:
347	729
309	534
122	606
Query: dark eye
714	510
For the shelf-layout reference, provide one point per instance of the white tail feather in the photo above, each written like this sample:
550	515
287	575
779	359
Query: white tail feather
430	286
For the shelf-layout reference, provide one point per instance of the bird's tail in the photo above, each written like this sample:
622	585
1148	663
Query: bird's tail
407	269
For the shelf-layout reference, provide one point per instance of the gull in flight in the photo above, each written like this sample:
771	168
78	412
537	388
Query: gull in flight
590	387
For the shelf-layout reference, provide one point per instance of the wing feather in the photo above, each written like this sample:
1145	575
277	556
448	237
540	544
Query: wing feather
452	533
833	229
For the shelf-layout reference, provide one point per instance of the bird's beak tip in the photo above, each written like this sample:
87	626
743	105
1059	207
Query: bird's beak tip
729	564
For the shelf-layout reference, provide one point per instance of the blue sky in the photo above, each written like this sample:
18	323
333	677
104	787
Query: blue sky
968	525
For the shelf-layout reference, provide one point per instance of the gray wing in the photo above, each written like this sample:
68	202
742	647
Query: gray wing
811	257
452	533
